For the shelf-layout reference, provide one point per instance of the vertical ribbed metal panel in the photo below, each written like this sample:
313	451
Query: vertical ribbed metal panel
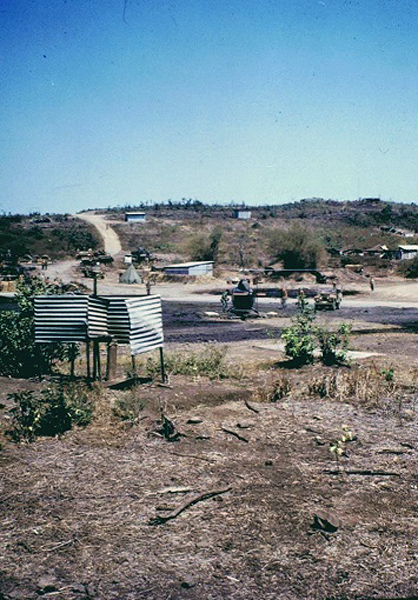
97	317
61	318
146	325
118	319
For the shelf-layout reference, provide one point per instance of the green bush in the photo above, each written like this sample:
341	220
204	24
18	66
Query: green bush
19	355
205	247
50	412
298	247
333	344
300	340
303	337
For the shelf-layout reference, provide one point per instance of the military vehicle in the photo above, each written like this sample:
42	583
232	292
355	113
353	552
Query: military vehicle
328	300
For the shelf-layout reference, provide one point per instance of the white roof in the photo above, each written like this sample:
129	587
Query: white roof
191	264
410	248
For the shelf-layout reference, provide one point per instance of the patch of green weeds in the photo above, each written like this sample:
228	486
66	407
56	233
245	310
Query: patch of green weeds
209	361
50	412
128	407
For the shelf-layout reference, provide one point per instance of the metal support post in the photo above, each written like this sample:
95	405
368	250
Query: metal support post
164	377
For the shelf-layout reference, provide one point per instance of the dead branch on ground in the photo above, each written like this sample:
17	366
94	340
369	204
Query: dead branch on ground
248	405
237	435
363	472
160	520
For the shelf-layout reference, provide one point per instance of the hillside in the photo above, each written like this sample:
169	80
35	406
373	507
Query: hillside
365	212
184	230
58	236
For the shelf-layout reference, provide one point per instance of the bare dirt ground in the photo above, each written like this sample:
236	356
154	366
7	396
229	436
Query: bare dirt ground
255	504
78	513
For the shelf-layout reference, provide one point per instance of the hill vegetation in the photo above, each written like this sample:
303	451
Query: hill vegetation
298	235
366	212
58	236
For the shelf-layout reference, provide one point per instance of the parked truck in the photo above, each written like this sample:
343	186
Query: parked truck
328	300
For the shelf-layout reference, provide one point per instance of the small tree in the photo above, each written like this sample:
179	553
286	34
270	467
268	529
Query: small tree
298	247
334	344
19	355
303	337
300	339
205	247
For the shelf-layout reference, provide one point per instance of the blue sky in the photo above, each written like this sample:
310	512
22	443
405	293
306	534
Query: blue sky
114	102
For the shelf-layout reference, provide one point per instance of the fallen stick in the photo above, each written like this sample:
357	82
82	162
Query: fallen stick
237	435
160	520
363	472
58	546
248	405
191	456
390	451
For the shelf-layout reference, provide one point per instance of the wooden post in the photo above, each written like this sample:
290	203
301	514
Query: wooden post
88	358
99	373
133	364
111	362
163	373
96	361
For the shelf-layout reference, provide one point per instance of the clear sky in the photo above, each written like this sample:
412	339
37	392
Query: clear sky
114	102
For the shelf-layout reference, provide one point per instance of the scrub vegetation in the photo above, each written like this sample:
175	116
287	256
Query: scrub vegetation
58	236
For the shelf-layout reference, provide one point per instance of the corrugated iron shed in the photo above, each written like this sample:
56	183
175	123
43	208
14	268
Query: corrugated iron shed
134	320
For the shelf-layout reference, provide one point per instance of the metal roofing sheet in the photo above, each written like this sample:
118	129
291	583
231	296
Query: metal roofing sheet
134	320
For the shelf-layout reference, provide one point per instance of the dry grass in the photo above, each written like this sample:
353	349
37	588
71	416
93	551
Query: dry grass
77	509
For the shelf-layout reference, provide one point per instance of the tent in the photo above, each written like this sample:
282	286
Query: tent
131	275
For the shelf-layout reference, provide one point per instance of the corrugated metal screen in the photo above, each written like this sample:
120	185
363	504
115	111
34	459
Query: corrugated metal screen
146	330
118	319
97	317
61	318
129	320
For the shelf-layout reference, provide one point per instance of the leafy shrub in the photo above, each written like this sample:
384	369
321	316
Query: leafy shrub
50	412
298	247
205	247
300	339
19	355
333	344
303	337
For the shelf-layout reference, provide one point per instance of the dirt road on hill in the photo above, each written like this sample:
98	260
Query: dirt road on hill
110	237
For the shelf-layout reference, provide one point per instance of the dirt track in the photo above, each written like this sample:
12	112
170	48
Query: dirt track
110	238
